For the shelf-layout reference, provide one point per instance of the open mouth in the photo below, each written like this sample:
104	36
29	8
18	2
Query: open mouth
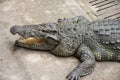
26	40
31	40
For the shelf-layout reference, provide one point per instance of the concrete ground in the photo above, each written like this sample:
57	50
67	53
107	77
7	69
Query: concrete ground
23	64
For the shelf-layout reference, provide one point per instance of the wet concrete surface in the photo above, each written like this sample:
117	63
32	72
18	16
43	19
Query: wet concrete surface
23	64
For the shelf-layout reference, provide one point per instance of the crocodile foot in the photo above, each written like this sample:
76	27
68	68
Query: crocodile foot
74	75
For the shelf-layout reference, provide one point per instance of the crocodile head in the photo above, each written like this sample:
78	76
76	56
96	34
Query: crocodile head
34	35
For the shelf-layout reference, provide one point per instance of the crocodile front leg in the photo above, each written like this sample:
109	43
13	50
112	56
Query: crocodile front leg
87	65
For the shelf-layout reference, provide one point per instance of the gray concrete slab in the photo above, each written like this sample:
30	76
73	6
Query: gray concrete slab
23	64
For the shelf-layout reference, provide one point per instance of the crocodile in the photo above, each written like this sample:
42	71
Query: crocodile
88	41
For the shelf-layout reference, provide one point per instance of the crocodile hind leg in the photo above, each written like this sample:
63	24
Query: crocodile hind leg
103	53
87	65
116	55
107	55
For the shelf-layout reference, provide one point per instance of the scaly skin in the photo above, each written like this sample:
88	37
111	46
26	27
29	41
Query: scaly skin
88	41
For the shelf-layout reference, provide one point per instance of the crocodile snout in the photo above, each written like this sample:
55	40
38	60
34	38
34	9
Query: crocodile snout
13	29
17	29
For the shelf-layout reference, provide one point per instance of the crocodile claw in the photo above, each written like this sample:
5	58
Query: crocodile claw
74	75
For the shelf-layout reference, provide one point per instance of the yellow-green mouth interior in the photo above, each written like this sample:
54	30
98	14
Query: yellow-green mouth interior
31	40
